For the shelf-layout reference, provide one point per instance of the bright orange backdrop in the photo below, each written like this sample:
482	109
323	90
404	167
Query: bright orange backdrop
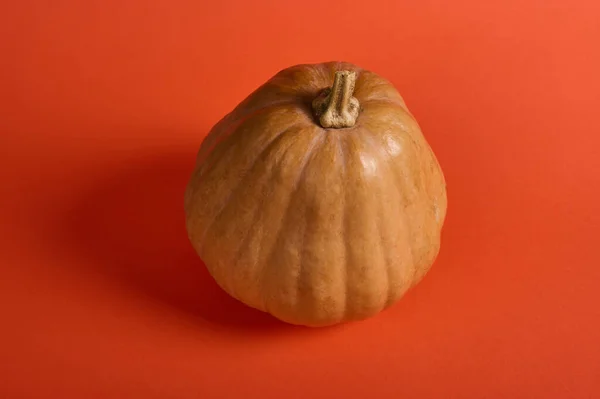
104	104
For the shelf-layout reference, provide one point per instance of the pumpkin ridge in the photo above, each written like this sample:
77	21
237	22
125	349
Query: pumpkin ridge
236	188
416	137
267	176
343	153
372	93
392	173
410	229
381	155
323	286
422	180
285	219
221	153
301	270
360	229
398	164
225	128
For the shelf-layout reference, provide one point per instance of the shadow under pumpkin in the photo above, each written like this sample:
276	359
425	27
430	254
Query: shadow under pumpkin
132	225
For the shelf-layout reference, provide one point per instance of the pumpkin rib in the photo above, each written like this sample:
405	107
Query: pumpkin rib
322	263
220	133
382	158
378	144
385	262
235	189
364	268
403	179
375	96
423	160
240	188
418	140
379	213
302	253
227	149
266	177
267	258
285	219
344	156
403	160
376	110
347	228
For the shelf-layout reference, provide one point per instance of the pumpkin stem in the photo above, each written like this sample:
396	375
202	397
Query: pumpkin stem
335	107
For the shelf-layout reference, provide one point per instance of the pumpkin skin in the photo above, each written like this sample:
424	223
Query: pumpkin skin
317	226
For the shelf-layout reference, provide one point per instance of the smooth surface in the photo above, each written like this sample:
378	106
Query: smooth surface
104	104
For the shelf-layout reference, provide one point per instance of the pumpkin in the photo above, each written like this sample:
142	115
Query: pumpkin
317	199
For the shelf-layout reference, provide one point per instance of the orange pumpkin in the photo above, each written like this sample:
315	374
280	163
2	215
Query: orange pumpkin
317	199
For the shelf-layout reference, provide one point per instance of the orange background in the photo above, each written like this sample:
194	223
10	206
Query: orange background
104	104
